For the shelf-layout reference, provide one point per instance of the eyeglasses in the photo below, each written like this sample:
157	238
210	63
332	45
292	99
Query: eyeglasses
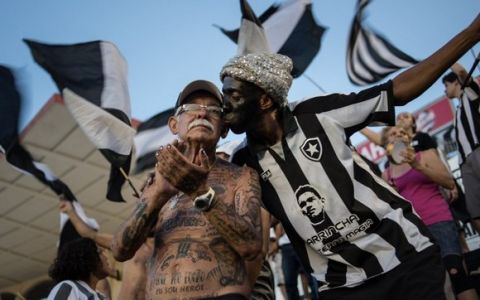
213	111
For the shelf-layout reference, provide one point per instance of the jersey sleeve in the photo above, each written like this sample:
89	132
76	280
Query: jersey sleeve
372	106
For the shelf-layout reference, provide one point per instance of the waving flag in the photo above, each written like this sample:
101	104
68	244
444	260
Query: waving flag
10	103
19	158
15	154
152	134
93	80
68	232
251	37
370	57
290	29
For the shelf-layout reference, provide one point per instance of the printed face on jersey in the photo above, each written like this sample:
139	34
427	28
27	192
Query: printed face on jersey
311	203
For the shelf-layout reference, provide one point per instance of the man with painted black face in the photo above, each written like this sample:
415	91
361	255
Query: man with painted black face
370	241
203	212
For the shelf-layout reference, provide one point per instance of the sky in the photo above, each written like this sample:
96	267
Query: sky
167	44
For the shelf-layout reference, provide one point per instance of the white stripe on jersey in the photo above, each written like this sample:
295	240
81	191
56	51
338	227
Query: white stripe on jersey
472	121
357	112
471	118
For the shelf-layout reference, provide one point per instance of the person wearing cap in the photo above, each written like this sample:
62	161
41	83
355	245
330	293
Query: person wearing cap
203	212
352	232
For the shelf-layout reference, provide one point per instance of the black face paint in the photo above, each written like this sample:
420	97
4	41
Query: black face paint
241	104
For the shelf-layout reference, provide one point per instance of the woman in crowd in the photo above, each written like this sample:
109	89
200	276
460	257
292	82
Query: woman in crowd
418	177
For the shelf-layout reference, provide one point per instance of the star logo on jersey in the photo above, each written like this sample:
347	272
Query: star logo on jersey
312	149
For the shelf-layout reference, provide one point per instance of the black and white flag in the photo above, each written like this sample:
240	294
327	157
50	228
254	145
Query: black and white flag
370	57
20	159
93	80
152	134
290	29
251	36
68	232
15	154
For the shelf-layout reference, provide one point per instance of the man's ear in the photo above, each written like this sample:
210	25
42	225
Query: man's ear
173	124
266	102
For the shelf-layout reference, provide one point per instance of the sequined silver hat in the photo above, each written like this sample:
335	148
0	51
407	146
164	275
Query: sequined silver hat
269	71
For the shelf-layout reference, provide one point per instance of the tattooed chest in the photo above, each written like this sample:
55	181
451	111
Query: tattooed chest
182	219
195	267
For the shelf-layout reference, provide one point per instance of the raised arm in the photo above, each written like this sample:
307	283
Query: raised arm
411	83
460	71
135	230
372	136
102	239
238	219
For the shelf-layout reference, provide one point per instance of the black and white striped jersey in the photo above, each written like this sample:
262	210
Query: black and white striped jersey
346	223
467	121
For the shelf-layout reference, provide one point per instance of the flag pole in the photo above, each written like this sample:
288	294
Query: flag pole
136	194
475	63
474	56
314	83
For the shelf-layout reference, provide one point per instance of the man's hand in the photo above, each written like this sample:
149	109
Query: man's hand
157	189
66	206
188	175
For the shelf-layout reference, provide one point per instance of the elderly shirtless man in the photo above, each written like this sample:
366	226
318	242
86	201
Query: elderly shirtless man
203	212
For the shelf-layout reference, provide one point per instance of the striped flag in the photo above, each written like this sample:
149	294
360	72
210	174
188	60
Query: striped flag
20	159
251	36
370	57
15	154
93	80
290	29
152	134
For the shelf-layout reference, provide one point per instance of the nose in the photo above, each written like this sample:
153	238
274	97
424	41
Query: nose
201	113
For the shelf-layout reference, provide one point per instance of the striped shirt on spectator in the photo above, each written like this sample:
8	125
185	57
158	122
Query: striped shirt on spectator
345	223
467	121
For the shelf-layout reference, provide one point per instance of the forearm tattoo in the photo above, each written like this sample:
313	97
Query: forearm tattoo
136	230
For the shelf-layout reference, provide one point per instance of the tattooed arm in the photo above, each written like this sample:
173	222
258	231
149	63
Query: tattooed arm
135	230
238	219
254	266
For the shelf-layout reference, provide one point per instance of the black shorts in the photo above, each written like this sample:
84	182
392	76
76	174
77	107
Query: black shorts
420	277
